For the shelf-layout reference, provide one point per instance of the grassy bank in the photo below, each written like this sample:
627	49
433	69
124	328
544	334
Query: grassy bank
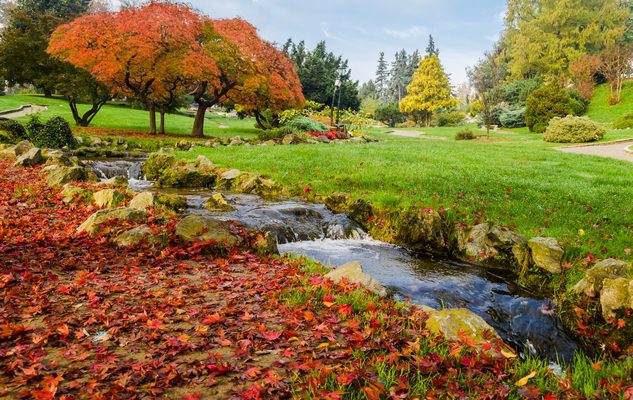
599	108
121	117
516	181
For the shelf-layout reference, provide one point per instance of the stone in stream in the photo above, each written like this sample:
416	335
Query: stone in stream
592	283
137	235
218	202
142	201
31	158
108	198
353	272
92	224
119	181
58	157
266	245
226	179
203	228
547	254
60	175
451	322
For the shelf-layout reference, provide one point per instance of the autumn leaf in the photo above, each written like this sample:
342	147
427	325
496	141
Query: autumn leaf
524	381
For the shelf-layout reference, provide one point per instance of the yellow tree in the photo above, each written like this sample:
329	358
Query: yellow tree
428	91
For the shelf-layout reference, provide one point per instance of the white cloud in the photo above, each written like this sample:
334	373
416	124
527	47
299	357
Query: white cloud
412	32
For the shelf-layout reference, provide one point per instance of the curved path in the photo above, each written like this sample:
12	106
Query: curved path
615	150
22	111
415	134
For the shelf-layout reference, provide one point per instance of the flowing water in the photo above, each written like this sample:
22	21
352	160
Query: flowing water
523	320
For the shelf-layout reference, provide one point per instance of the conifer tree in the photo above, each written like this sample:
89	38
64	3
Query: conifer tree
431	50
382	78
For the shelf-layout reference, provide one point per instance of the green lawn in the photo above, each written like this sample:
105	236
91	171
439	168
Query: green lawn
599	108
122	117
519	182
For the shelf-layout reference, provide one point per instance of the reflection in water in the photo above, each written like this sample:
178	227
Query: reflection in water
528	323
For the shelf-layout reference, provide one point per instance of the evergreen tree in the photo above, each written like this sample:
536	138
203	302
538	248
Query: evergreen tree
382	77
368	91
429	91
431	50
398	77
414	62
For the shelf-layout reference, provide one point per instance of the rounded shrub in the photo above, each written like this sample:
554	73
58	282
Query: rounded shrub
624	122
449	118
11	131
573	130
307	124
55	133
464	134
278	133
544	104
512	118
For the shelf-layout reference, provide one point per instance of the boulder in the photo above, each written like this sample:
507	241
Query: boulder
594	279
547	254
353	272
247	183
137	235
269	187
31	158
142	201
230	175
218	202
359	210
72	193
13	152
203	228
451	322
204	162
171	201
478	244
157	163
59	175
323	139
270	143
236	141
92	224
187	175
57	157
615	295
184	145
290	139
119	181
266	245
108	198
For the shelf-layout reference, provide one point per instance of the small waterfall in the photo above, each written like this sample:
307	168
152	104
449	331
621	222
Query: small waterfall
107	169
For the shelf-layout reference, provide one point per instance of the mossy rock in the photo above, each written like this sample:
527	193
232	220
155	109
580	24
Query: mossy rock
108	198
92	224
140	234
218	202
171	201
60	175
185	176
157	163
194	228
75	193
453	322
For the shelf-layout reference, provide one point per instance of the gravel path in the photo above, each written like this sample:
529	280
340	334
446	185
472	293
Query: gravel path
615	150
28	110
416	134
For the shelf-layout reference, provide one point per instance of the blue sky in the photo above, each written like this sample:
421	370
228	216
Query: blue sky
359	30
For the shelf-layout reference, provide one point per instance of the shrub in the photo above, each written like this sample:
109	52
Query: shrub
55	133
573	130
544	104
407	124
11	131
307	124
332	135
577	102
517	92
624	122
464	134
274	134
512	117
389	114
449	118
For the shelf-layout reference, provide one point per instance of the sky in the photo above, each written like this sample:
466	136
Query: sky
360	30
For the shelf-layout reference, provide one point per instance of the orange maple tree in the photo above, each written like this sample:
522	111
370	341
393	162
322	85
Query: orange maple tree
152	53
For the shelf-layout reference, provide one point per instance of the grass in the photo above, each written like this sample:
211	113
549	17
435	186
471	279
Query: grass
122	117
599	108
518	181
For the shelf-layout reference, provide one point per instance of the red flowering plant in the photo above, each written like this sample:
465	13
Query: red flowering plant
332	135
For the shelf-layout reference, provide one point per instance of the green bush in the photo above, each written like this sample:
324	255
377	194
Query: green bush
389	114
464	134
624	122
577	103
273	134
544	104
449	118
11	131
306	124
515	93
573	130
512	118
55	133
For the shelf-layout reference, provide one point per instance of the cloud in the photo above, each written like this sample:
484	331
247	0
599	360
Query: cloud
412	32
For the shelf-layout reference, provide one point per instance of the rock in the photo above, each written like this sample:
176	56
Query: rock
593	281
266	245
230	175
478	244
142	201
290	139
171	201
353	272
137	235
157	163
451	322
202	228
323	139
547	254
31	158
358	139
13	152
237	141
269	187
57	157
218	202
184	145
59	175
204	162
91	225
615	295
119	181
187	176
270	143
108	198
72	193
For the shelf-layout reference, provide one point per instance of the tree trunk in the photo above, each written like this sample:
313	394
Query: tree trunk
152	117
85	119
48	93
198	124
162	121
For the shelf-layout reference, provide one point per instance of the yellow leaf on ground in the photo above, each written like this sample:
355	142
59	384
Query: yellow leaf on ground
523	381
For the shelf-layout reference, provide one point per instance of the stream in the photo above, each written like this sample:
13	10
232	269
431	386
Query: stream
526	322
